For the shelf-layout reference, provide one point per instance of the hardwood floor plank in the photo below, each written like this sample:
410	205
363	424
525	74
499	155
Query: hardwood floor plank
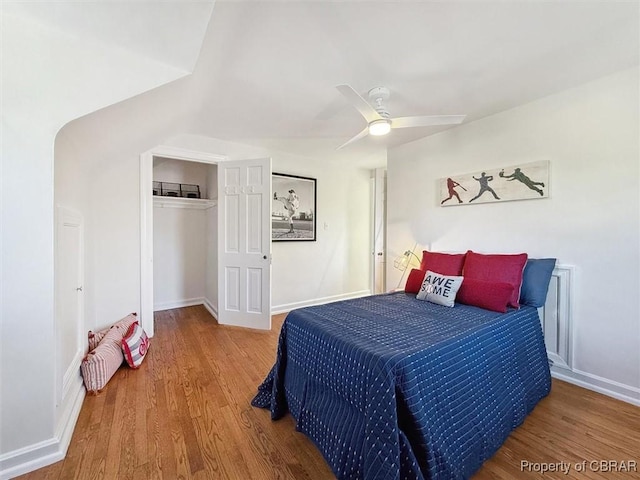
167	459
96	413
142	472
140	443
211	444
154	447
181	456
86	460
128	461
97	469
185	413
119	427
194	454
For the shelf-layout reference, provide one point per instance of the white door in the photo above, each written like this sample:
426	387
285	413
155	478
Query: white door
244	243
379	222
69	298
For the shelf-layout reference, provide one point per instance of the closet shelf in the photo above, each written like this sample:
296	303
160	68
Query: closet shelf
180	202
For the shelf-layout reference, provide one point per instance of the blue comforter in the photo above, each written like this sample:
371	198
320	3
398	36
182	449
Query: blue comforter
391	387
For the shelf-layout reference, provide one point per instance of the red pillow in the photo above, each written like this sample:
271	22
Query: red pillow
442	263
497	268
488	295
414	281
135	345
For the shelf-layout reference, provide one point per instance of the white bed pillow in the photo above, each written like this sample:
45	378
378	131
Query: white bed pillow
440	289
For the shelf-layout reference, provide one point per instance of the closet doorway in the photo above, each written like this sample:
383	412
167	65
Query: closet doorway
184	234
213	251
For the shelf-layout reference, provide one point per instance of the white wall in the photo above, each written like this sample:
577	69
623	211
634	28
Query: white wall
49	77
337	265
107	145
179	256
180	238
590	134
178	171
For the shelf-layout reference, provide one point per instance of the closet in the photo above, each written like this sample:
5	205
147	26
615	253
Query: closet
184	234
214	250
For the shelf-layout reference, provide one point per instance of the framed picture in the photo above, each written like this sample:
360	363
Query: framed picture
525	181
293	208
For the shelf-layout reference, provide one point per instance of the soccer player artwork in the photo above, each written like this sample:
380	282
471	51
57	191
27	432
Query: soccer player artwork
293	208
519	182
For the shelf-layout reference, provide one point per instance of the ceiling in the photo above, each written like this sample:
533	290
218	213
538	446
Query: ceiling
267	70
169	32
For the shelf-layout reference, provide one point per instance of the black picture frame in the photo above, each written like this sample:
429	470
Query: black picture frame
293	208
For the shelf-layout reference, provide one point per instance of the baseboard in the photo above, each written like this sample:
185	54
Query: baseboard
28	459
41	454
69	417
209	306
287	307
190	302
274	309
598	384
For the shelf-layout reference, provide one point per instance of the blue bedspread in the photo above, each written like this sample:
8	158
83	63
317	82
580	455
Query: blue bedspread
390	387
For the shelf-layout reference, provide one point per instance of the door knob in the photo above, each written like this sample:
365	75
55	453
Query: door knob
79	289
264	256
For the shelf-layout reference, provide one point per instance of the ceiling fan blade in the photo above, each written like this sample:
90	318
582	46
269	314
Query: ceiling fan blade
426	121
363	133
364	107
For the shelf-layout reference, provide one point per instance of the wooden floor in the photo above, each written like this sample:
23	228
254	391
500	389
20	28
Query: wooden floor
186	414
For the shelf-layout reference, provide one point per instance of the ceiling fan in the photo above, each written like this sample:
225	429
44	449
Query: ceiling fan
378	118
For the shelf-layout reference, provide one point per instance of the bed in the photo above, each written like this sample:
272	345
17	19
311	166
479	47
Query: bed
391	387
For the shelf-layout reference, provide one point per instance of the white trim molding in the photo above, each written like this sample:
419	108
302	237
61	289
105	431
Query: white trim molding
611	388
558	327
555	318
189	302
179	202
28	459
208	304
178	153
287	307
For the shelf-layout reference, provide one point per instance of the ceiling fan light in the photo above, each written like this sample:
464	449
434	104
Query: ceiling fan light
379	127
